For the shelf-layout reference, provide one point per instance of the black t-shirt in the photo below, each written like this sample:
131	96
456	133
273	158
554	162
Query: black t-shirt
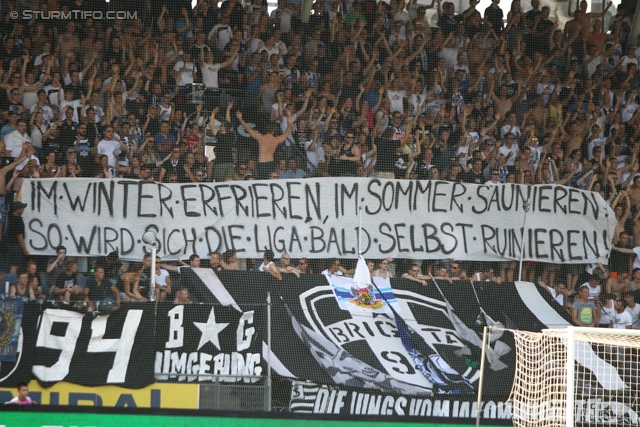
68	133
225	142
64	281
112	56
495	16
112	270
15	227
54	145
400	165
178	168
530	17
474	178
94	131
99	292
422	169
145	281
543	26
619	261
387	157
139	109
75	88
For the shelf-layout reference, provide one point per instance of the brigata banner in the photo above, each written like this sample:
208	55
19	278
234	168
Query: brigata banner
319	218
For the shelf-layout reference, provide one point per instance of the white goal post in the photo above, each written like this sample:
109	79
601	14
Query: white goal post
576	376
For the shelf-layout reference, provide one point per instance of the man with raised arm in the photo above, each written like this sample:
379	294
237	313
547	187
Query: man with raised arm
267	144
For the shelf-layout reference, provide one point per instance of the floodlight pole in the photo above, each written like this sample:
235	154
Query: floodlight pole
150	239
152	291
526	206
359	230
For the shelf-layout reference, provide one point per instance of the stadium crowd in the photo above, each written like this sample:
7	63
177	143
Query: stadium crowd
227	91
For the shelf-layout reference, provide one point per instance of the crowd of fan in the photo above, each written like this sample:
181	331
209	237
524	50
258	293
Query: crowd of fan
358	89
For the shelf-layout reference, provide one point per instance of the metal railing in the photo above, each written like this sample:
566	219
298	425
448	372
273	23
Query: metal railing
236	396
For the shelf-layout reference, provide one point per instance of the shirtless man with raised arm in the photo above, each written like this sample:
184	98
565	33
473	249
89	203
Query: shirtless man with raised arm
267	144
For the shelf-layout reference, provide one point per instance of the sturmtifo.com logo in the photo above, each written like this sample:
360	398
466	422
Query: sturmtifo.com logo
73	14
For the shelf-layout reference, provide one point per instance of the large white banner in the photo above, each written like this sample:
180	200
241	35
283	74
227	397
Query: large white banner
319	218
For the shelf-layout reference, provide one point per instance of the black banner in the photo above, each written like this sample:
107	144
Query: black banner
313	398
198	342
359	358
95	350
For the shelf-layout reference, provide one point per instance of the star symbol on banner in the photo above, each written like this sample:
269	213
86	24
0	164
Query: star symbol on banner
210	330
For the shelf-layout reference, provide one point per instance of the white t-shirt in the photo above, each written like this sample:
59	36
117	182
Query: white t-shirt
255	43
628	112
29	98
396	97
187	74
556	296
535	156
27	160
161	280
591	66
626	61
224	35
594	293
504	150
515	130
275	50
14	141
107	147
636	260
621	320
635	315
52	94
47	112
606	313
285	19
597	142
337	273
265	267
450	56
417	100
463	152
210	75
314	157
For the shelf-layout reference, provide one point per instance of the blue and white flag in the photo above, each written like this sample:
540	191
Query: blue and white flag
358	294
10	321
444	378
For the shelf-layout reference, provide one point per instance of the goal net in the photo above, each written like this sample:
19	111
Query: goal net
576	376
